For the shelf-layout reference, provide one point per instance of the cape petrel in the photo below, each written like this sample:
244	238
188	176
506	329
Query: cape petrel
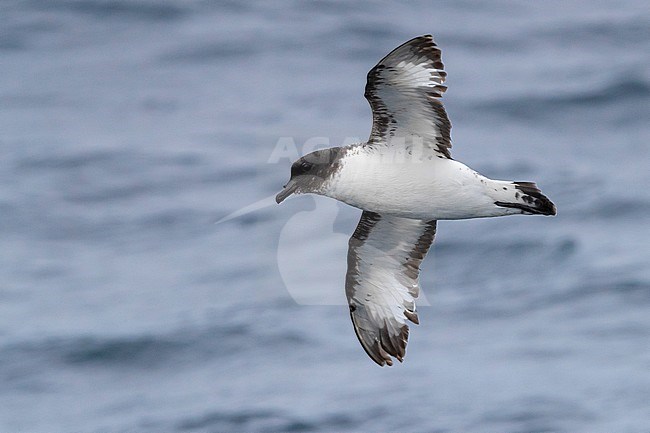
404	180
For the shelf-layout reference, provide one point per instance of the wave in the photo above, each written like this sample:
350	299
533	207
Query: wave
266	420
148	351
138	10
630	90
507	248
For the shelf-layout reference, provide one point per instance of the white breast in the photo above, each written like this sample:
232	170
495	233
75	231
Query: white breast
434	188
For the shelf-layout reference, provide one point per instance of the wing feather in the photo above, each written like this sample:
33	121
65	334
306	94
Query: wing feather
384	258
403	90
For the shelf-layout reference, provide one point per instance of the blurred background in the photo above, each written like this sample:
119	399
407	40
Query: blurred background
129	127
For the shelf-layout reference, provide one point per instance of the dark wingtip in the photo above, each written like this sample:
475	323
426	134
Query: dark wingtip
412	316
382	347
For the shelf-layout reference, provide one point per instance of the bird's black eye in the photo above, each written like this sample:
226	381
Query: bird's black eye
301	167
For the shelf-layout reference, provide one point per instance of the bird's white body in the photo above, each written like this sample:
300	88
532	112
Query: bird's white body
426	188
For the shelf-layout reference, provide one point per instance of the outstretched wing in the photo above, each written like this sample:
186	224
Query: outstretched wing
404	90
381	284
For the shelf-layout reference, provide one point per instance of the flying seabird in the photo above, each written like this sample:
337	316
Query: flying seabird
404	180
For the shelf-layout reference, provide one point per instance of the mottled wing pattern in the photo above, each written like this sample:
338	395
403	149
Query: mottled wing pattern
382	284
404	90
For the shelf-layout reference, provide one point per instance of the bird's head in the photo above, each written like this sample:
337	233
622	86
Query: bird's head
309	173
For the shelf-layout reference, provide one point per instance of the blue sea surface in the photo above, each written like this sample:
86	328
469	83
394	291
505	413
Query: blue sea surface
129	128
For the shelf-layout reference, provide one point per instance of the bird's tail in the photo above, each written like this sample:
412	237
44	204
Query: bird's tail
525	196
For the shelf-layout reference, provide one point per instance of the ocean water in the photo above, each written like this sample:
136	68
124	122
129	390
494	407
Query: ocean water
129	128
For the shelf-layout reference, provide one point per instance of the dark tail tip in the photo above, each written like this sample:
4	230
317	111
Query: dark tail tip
537	201
530	200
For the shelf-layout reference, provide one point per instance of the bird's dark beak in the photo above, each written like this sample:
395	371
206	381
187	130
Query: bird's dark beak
289	189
